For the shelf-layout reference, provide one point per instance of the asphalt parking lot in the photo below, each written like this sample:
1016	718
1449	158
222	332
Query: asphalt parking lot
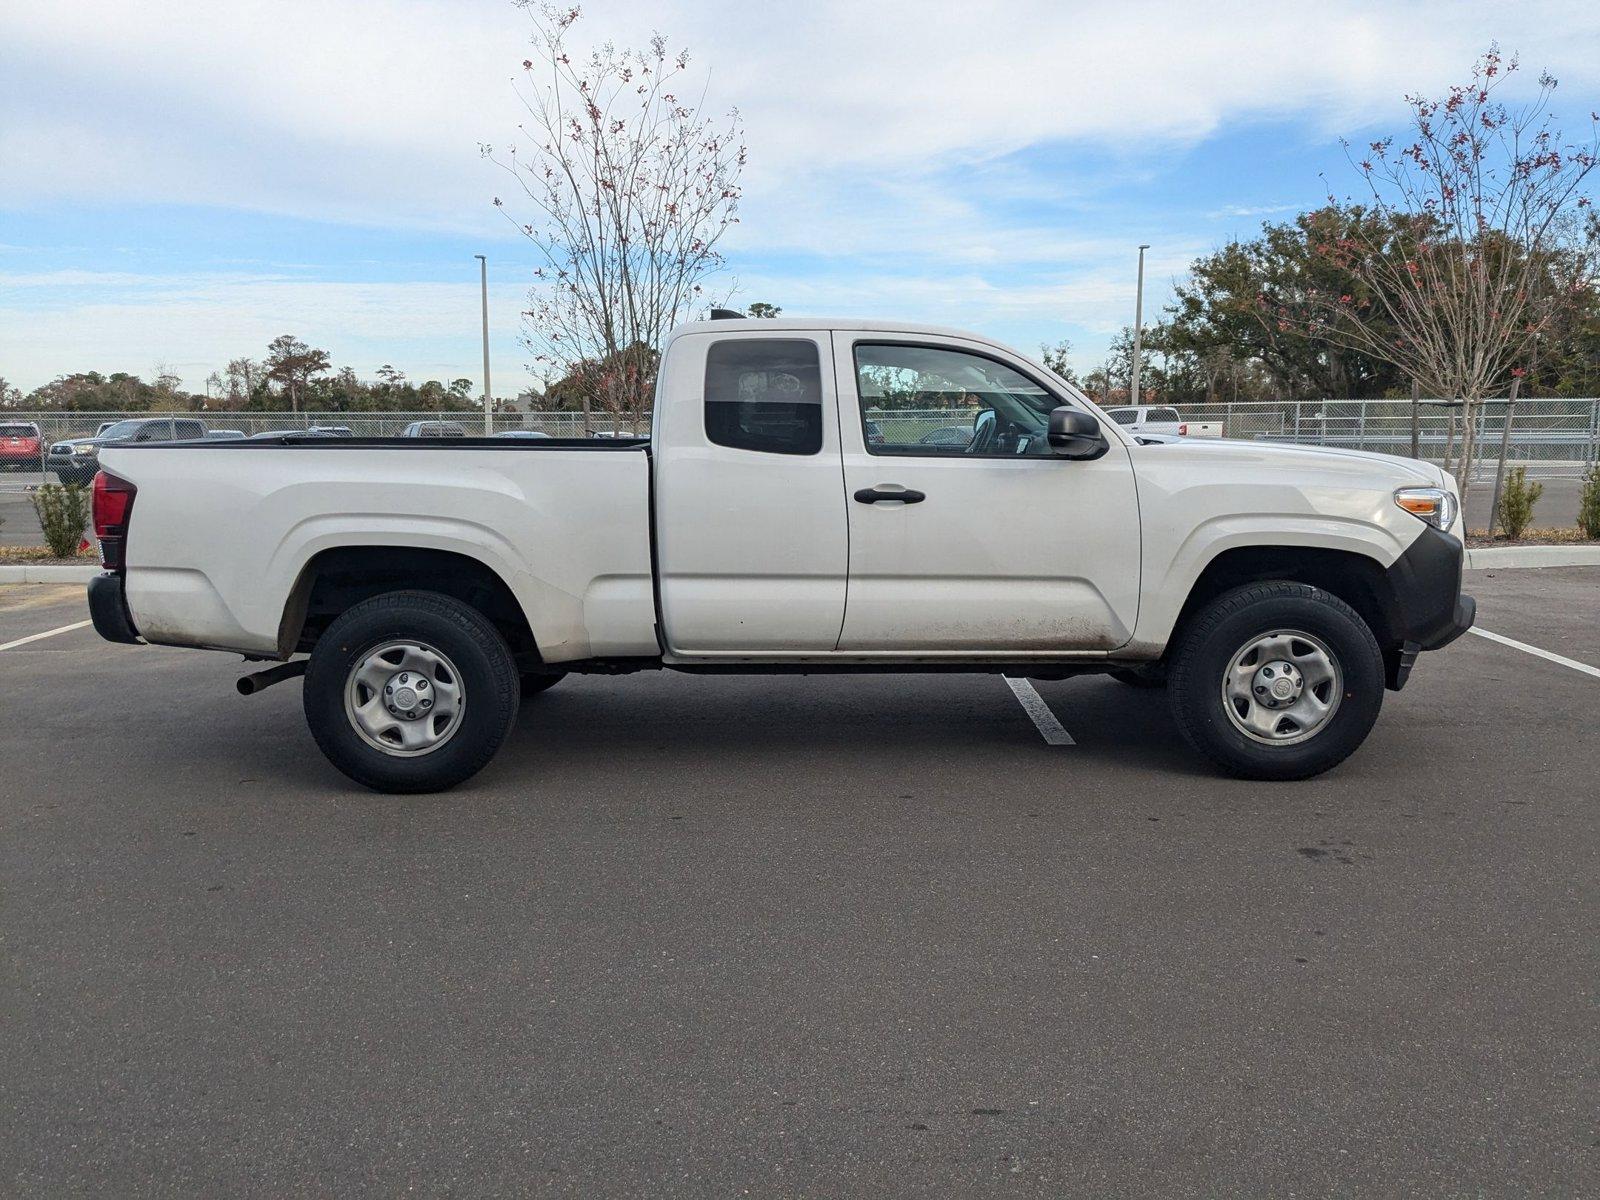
801	936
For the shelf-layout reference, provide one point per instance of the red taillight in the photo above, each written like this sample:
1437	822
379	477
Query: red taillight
1183	429
113	504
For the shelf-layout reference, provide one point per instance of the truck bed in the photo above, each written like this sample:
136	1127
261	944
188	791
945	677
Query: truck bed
224	530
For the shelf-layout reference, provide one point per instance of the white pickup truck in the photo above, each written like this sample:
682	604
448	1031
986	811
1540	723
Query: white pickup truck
435	584
1162	422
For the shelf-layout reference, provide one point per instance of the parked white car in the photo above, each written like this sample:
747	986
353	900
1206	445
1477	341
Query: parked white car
1149	418
1277	590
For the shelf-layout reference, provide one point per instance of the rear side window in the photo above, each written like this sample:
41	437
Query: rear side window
191	429
764	395
1165	414
1124	416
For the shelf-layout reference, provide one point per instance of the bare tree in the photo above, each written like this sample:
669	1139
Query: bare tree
634	186
1486	240
243	375
166	383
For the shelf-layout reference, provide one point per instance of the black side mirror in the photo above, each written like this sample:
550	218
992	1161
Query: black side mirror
1076	434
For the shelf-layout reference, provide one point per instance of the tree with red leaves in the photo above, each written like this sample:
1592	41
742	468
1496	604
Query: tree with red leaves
634	187
1485	239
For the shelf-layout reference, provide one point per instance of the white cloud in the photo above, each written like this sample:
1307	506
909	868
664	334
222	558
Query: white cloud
880	136
372	110
1253	210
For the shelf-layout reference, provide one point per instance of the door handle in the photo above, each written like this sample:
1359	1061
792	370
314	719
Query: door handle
889	491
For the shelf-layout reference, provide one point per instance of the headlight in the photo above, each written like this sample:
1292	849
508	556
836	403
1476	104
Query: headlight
1434	505
87	450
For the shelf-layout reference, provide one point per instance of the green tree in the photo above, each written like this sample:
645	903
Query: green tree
764	311
1589	502
292	364
90	391
1242	305
1056	358
1516	502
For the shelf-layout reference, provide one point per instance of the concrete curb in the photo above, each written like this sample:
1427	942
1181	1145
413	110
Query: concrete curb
46	573
1506	557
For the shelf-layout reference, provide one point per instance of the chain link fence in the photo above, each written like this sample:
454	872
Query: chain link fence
23	467
1553	438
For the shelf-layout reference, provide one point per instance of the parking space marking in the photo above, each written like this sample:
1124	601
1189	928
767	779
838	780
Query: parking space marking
1515	645
36	637
1033	704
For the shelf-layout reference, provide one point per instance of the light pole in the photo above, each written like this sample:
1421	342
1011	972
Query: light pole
488	404
1138	328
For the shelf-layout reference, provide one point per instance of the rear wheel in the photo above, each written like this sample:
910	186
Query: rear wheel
1277	681
410	692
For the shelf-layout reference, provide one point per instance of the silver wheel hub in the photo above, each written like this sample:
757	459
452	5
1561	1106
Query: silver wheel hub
404	698
1282	687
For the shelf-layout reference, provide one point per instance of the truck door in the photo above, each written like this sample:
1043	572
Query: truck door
999	546
750	517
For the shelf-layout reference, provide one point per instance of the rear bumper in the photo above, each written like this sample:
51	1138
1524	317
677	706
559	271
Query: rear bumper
108	609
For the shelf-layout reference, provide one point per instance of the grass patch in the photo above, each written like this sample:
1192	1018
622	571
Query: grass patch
16	556
1572	536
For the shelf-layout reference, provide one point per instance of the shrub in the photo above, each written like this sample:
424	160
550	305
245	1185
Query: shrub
63	516
1589	502
1517	501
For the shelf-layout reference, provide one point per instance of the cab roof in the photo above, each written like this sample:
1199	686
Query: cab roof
816	324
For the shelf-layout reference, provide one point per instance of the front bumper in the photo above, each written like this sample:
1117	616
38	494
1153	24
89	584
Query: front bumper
108	609
1428	610
1425	582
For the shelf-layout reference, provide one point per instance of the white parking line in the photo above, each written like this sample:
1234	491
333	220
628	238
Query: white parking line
1515	645
35	637
1033	704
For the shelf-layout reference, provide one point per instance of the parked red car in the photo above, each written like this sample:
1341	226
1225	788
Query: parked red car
19	446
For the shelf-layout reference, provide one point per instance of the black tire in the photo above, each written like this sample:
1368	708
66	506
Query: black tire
533	684
488	678
1224	628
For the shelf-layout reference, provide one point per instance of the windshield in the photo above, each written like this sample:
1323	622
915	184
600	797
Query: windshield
122	429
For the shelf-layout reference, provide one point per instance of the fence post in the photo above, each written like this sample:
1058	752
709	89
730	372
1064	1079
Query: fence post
1505	444
1297	420
1416	419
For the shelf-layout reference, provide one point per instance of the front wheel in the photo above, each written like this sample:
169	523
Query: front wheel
411	692
1277	681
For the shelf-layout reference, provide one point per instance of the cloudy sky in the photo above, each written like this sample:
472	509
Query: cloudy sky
181	180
